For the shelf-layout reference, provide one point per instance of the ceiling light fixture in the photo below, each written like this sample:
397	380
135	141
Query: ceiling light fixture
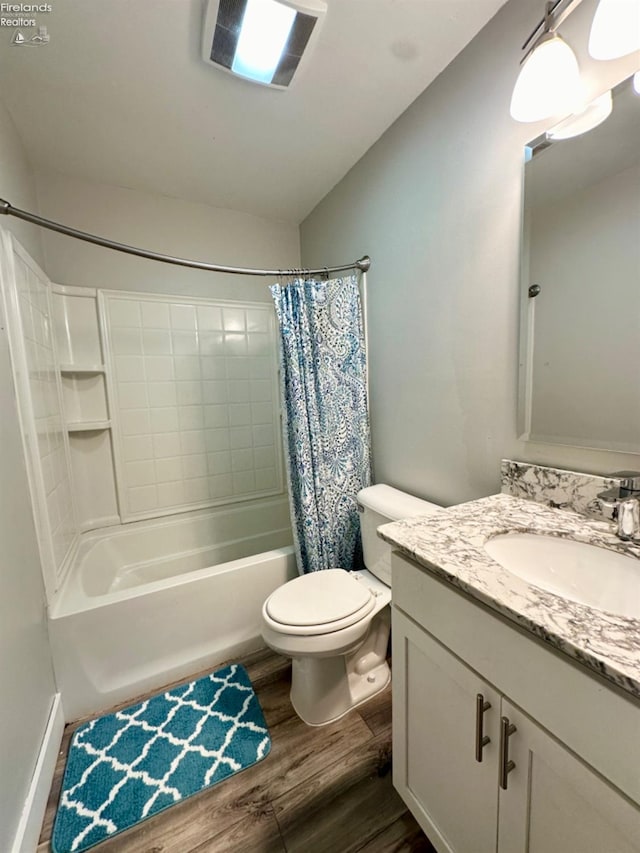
260	40
615	30
588	118
549	80
263	34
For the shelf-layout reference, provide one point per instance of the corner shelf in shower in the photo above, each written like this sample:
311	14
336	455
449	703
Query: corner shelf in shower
88	426
83	377
87	369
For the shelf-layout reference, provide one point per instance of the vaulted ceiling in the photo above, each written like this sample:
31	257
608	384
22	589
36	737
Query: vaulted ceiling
120	95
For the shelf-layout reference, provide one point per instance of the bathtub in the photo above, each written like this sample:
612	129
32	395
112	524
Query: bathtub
149	602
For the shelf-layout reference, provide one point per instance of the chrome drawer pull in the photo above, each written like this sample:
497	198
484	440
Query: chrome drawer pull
506	766
481	739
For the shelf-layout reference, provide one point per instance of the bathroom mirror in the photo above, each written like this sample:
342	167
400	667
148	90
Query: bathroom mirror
580	285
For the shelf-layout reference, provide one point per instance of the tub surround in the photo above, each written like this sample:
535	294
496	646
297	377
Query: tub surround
451	546
554	487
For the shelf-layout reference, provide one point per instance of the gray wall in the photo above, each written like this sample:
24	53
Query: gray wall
25	659
436	202
163	224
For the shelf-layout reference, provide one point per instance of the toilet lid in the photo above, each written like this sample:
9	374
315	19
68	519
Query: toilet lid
320	599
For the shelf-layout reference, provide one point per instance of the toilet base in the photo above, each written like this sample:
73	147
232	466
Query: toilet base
323	689
321	697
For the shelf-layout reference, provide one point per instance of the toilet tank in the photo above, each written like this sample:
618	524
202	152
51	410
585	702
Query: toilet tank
381	504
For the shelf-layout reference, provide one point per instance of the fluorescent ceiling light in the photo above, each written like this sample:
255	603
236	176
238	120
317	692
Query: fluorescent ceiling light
263	35
591	116
615	30
549	81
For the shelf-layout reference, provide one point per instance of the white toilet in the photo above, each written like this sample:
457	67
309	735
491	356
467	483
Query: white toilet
335	624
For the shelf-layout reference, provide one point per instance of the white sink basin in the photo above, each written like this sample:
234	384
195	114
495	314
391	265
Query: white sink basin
584	573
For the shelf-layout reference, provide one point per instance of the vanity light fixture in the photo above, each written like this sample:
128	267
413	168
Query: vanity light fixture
260	40
588	118
615	30
636	82
549	80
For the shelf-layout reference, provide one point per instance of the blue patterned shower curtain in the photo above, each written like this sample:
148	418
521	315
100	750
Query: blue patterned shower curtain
325	418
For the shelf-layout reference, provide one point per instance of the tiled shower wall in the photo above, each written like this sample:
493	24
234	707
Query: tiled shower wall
194	404
51	482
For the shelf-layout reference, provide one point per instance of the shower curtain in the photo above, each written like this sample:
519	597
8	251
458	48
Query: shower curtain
325	418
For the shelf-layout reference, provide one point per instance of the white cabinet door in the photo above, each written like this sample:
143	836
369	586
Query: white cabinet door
451	794
554	803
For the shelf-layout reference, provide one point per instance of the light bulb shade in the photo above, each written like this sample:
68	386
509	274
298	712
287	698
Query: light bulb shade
588	118
548	83
615	30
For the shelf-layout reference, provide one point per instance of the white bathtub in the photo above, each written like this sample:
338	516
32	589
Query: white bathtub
148	602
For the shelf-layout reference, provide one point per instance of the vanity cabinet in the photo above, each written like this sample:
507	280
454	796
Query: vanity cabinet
452	796
555	803
448	714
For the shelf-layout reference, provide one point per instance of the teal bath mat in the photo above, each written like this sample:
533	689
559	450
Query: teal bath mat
128	766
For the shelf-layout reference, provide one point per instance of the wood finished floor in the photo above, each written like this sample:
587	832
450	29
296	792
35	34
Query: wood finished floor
320	790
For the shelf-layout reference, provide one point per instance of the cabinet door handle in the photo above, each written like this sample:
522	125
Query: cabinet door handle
506	765
481	739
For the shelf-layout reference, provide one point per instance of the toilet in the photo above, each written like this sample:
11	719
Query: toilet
335	624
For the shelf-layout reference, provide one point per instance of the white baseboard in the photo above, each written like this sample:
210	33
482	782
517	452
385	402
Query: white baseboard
26	838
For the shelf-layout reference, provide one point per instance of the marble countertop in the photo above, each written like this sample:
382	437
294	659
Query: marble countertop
450	545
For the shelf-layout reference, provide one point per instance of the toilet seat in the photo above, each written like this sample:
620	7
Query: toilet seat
318	603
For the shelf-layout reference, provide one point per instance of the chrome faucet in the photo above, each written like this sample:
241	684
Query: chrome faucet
622	504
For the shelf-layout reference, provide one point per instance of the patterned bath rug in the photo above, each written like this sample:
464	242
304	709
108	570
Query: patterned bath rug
126	767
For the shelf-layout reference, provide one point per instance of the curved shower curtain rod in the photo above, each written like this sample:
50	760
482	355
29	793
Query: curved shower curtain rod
362	264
